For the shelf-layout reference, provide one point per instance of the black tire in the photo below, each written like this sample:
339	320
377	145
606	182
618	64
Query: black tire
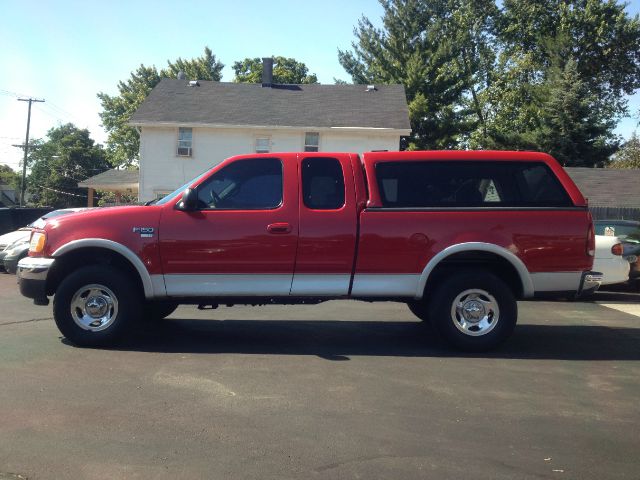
158	310
489	316
108	304
420	308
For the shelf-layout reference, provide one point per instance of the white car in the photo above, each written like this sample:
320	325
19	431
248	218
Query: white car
609	260
19	239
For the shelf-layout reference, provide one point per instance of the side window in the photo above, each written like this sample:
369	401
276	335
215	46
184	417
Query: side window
540	187
253	184
322	183
467	184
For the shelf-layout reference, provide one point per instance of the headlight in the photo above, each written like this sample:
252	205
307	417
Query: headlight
38	239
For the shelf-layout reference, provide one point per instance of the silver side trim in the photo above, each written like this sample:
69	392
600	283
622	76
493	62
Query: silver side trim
227	285
320	285
159	289
116	247
385	285
527	284
556	281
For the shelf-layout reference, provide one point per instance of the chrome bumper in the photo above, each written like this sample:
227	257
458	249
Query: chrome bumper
32	268
32	277
589	283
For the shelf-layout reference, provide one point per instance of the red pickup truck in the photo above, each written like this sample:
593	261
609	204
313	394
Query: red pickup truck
457	235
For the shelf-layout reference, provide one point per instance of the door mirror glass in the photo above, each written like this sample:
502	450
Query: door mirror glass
189	201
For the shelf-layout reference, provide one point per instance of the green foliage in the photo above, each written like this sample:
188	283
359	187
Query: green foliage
548	75
285	71
441	51
9	177
108	199
629	155
57	164
123	142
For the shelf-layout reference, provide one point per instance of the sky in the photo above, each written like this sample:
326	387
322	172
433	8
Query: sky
67	51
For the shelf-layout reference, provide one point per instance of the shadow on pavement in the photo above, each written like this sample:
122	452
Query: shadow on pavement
338	340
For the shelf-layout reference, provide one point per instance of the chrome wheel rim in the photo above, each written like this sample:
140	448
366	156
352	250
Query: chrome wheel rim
94	307
475	312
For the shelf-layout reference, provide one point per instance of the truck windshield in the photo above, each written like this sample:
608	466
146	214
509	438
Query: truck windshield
178	191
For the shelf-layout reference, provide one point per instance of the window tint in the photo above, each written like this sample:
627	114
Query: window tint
254	184
469	184
322	183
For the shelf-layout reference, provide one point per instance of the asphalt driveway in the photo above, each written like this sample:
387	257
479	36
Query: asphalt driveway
339	390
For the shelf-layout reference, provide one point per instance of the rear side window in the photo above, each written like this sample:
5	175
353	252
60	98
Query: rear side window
469	184
322	183
253	184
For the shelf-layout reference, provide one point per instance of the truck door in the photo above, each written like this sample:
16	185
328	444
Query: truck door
241	241
327	238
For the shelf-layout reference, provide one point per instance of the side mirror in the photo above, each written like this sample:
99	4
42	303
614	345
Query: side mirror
189	201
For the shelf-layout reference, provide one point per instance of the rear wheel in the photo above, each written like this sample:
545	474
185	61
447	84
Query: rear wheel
96	306
474	310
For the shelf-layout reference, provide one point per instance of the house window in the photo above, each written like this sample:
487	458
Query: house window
160	194
185	137
263	144
311	141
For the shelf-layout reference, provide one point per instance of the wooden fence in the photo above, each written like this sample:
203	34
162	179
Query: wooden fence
615	213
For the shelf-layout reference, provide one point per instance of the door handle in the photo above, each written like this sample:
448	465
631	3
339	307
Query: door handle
281	227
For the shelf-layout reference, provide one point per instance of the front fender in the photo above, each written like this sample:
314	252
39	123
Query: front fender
153	285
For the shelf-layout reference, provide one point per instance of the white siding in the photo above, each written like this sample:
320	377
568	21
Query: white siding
161	170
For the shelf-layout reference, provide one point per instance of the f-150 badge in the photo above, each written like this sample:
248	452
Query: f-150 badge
145	232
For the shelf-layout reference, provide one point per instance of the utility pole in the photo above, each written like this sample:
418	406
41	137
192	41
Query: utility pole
26	147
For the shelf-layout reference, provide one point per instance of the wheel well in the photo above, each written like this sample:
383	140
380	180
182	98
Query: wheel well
491	262
82	257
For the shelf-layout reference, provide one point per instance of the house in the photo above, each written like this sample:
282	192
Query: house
117	181
186	127
612	193
7	196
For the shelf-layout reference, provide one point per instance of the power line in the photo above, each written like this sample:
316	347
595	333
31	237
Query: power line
61	192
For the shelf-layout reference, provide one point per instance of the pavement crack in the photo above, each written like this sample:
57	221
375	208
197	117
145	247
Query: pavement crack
26	321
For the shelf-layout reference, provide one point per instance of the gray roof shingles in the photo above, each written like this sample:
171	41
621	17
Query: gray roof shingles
112	177
608	186
248	104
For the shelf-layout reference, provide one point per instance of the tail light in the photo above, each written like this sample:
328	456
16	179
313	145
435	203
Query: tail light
591	241
617	249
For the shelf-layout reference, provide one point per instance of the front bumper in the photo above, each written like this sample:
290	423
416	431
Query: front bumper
589	283
32	277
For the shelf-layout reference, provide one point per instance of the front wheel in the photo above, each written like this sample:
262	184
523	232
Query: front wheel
96	305
474	310
155	311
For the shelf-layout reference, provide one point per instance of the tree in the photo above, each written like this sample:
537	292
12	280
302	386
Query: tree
123	142
285	71
441	51
629	155
9	177
486	77
57	164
